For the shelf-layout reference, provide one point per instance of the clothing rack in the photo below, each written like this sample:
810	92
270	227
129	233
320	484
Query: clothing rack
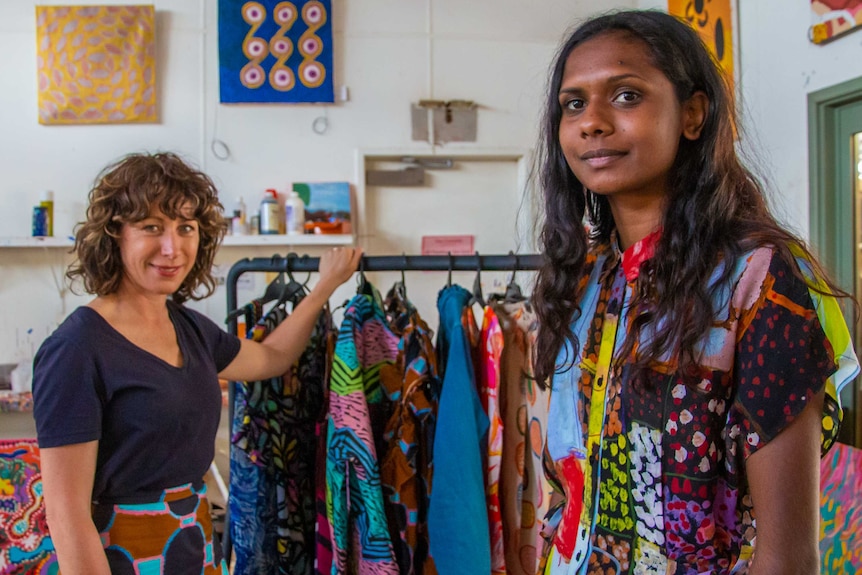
296	263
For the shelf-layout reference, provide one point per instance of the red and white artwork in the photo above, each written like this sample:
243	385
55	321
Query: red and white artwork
833	18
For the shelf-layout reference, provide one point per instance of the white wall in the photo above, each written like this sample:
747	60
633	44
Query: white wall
389	53
780	67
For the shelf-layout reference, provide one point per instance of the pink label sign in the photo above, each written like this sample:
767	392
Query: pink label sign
444	245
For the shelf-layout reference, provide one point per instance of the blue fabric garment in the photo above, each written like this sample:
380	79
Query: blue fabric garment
252	501
458	515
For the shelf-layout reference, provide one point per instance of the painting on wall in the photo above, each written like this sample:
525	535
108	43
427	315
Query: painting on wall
275	52
25	545
96	64
833	18
713	20
327	206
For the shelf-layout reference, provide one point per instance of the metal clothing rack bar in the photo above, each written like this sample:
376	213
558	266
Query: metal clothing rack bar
296	263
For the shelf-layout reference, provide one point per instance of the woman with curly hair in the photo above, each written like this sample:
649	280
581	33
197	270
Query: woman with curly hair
693	347
126	393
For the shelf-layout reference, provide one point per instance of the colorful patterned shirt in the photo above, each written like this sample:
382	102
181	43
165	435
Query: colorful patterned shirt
652	464
488	379
273	480
412	384
357	409
525	493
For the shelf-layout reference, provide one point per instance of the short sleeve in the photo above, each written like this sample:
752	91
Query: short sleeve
783	358
832	320
66	394
223	346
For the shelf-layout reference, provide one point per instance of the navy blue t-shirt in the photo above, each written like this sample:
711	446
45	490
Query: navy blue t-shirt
155	423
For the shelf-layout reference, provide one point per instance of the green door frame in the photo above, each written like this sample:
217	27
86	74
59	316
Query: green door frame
832	225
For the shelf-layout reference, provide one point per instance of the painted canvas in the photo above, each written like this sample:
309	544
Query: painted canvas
713	20
96	64
841	511
25	546
833	18
327	207
275	52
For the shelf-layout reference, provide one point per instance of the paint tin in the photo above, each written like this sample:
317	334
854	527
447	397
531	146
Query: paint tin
40	221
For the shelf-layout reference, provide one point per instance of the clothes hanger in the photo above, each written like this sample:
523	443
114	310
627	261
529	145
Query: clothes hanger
477	296
293	291
513	290
397	306
451	265
362	284
399	290
273	292
275	288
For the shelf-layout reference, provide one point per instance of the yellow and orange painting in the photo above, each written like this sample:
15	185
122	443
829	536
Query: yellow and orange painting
713	20
96	64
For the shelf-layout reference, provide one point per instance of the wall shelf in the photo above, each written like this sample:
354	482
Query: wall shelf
37	242
229	241
289	240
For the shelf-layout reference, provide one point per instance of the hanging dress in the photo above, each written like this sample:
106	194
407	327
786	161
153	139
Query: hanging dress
357	408
458	516
525	492
488	379
413	386
249	501
277	433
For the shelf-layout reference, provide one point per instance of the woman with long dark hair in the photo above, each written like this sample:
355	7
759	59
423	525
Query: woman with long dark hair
693	346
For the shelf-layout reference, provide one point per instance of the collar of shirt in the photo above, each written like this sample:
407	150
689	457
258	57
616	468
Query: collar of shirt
636	254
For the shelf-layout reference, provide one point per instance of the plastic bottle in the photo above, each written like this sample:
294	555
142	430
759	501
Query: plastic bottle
269	213
238	222
47	202
294	211
40	221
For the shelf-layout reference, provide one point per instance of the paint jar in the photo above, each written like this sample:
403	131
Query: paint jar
270	214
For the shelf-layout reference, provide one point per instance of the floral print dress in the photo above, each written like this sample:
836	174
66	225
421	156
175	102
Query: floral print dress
651	465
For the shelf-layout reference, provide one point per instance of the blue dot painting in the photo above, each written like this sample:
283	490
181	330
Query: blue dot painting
275	52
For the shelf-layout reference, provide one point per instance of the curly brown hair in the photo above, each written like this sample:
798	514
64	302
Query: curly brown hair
124	192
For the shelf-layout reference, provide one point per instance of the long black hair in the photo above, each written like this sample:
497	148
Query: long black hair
715	208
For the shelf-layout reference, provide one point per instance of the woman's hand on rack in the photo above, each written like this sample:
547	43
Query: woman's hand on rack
282	347
336	267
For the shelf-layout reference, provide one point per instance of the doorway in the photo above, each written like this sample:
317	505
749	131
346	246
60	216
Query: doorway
835	172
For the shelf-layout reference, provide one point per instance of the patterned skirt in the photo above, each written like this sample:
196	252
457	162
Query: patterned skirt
171	536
